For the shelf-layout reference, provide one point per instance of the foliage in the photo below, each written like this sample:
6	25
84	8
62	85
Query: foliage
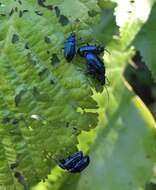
145	42
50	108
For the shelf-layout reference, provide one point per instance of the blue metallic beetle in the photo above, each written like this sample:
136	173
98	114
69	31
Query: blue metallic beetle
81	165
90	48
95	67
70	47
71	161
75	163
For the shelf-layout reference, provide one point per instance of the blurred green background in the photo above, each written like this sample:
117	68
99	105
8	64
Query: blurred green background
50	108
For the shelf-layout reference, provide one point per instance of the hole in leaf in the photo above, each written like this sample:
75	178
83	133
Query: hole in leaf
14	121
6	120
54	60
26	46
11	12
132	1
16	9
47	40
20	13
92	13
18	97
63	20
43	73
57	11
67	124
20	2
52	81
2	14
14	165
39	13
41	3
25	11
15	38
31	59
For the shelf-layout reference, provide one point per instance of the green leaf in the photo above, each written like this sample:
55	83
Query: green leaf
123	154
145	42
42	97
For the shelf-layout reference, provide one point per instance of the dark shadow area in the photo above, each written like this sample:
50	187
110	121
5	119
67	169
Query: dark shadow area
150	186
140	78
